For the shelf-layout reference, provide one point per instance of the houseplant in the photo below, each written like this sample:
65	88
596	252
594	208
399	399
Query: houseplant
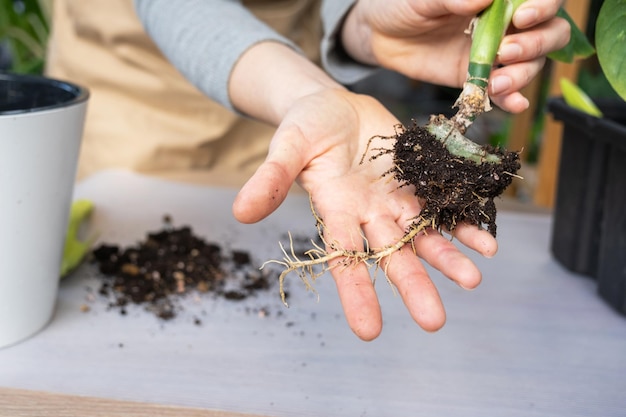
589	229
41	121
24	30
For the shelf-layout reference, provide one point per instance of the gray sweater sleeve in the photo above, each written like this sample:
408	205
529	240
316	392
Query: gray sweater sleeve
335	60
204	39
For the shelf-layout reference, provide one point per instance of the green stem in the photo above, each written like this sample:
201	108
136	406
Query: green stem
488	31
446	132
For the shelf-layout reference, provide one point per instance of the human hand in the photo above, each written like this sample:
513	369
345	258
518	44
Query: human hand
425	40
320	142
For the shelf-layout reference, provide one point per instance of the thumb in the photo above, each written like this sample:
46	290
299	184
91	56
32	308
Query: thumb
462	8
269	185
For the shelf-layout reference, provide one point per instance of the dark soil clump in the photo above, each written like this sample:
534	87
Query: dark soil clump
170	263
452	189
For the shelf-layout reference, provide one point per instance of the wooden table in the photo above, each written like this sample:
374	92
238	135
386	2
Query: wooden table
532	340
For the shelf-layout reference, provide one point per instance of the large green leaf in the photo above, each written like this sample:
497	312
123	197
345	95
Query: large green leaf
611	43
578	46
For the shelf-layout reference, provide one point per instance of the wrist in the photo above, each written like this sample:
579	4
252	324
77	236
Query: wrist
270	77
355	35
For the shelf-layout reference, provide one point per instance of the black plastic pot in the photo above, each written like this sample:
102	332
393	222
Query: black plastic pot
589	228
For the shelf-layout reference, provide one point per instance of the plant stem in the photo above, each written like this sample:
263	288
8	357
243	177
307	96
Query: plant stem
488	31
448	133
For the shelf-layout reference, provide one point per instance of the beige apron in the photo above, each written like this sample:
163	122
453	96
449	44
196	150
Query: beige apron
143	115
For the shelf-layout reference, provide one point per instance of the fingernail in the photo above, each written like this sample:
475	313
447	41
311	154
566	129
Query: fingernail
525	17
500	84
509	52
524	103
467	288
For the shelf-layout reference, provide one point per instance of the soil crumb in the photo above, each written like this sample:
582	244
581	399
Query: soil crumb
171	263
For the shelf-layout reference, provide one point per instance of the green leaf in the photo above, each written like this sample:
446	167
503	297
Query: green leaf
578	99
24	28
611	43
578	45
75	250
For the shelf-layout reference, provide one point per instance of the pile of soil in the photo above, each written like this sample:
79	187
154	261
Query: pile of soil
170	263
453	190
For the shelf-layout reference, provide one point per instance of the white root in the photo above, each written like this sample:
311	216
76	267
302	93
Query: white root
319	259
472	102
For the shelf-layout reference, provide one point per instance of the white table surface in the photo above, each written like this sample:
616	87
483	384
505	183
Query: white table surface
532	340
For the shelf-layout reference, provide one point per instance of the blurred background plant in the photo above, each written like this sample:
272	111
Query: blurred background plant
591	76
24	29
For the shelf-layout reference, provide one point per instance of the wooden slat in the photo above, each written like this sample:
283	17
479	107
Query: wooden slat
26	403
522	123
551	145
521	126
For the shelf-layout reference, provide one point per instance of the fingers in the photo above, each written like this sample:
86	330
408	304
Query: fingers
514	102
523	54
456	7
269	185
505	85
506	82
407	273
262	194
354	284
441	254
359	300
476	239
533	12
534	43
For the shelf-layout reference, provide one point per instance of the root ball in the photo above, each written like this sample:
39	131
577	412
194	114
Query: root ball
453	189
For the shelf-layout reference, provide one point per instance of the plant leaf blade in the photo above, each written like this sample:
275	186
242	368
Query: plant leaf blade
611	43
75	249
578	99
578	45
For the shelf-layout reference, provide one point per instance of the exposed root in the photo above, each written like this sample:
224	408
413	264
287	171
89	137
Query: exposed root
380	151
319	259
472	102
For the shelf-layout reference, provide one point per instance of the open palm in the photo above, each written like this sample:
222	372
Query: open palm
320	143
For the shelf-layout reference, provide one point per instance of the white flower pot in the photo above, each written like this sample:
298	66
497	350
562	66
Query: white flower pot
41	127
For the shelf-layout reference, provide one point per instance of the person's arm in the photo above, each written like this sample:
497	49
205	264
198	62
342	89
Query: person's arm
323	131
322	135
335	59
204	39
270	78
